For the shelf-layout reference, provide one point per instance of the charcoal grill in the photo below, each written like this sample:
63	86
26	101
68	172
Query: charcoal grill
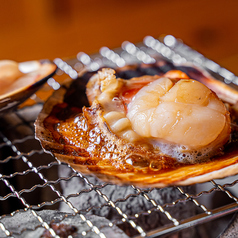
31	193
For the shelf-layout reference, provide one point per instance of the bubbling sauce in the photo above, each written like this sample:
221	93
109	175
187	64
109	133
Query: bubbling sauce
85	139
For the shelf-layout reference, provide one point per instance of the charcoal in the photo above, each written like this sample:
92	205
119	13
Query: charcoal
128	200
25	225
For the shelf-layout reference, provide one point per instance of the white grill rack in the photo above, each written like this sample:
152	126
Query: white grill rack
29	182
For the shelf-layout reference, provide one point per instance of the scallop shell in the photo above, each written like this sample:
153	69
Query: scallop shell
35	74
86	143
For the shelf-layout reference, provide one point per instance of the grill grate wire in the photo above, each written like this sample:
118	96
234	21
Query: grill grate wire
169	48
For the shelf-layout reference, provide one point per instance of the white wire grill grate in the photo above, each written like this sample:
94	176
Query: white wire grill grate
33	184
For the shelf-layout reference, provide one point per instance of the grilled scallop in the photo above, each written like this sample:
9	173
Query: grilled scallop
160	130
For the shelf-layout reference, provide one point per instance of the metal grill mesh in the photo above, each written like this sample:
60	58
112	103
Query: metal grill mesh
32	182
